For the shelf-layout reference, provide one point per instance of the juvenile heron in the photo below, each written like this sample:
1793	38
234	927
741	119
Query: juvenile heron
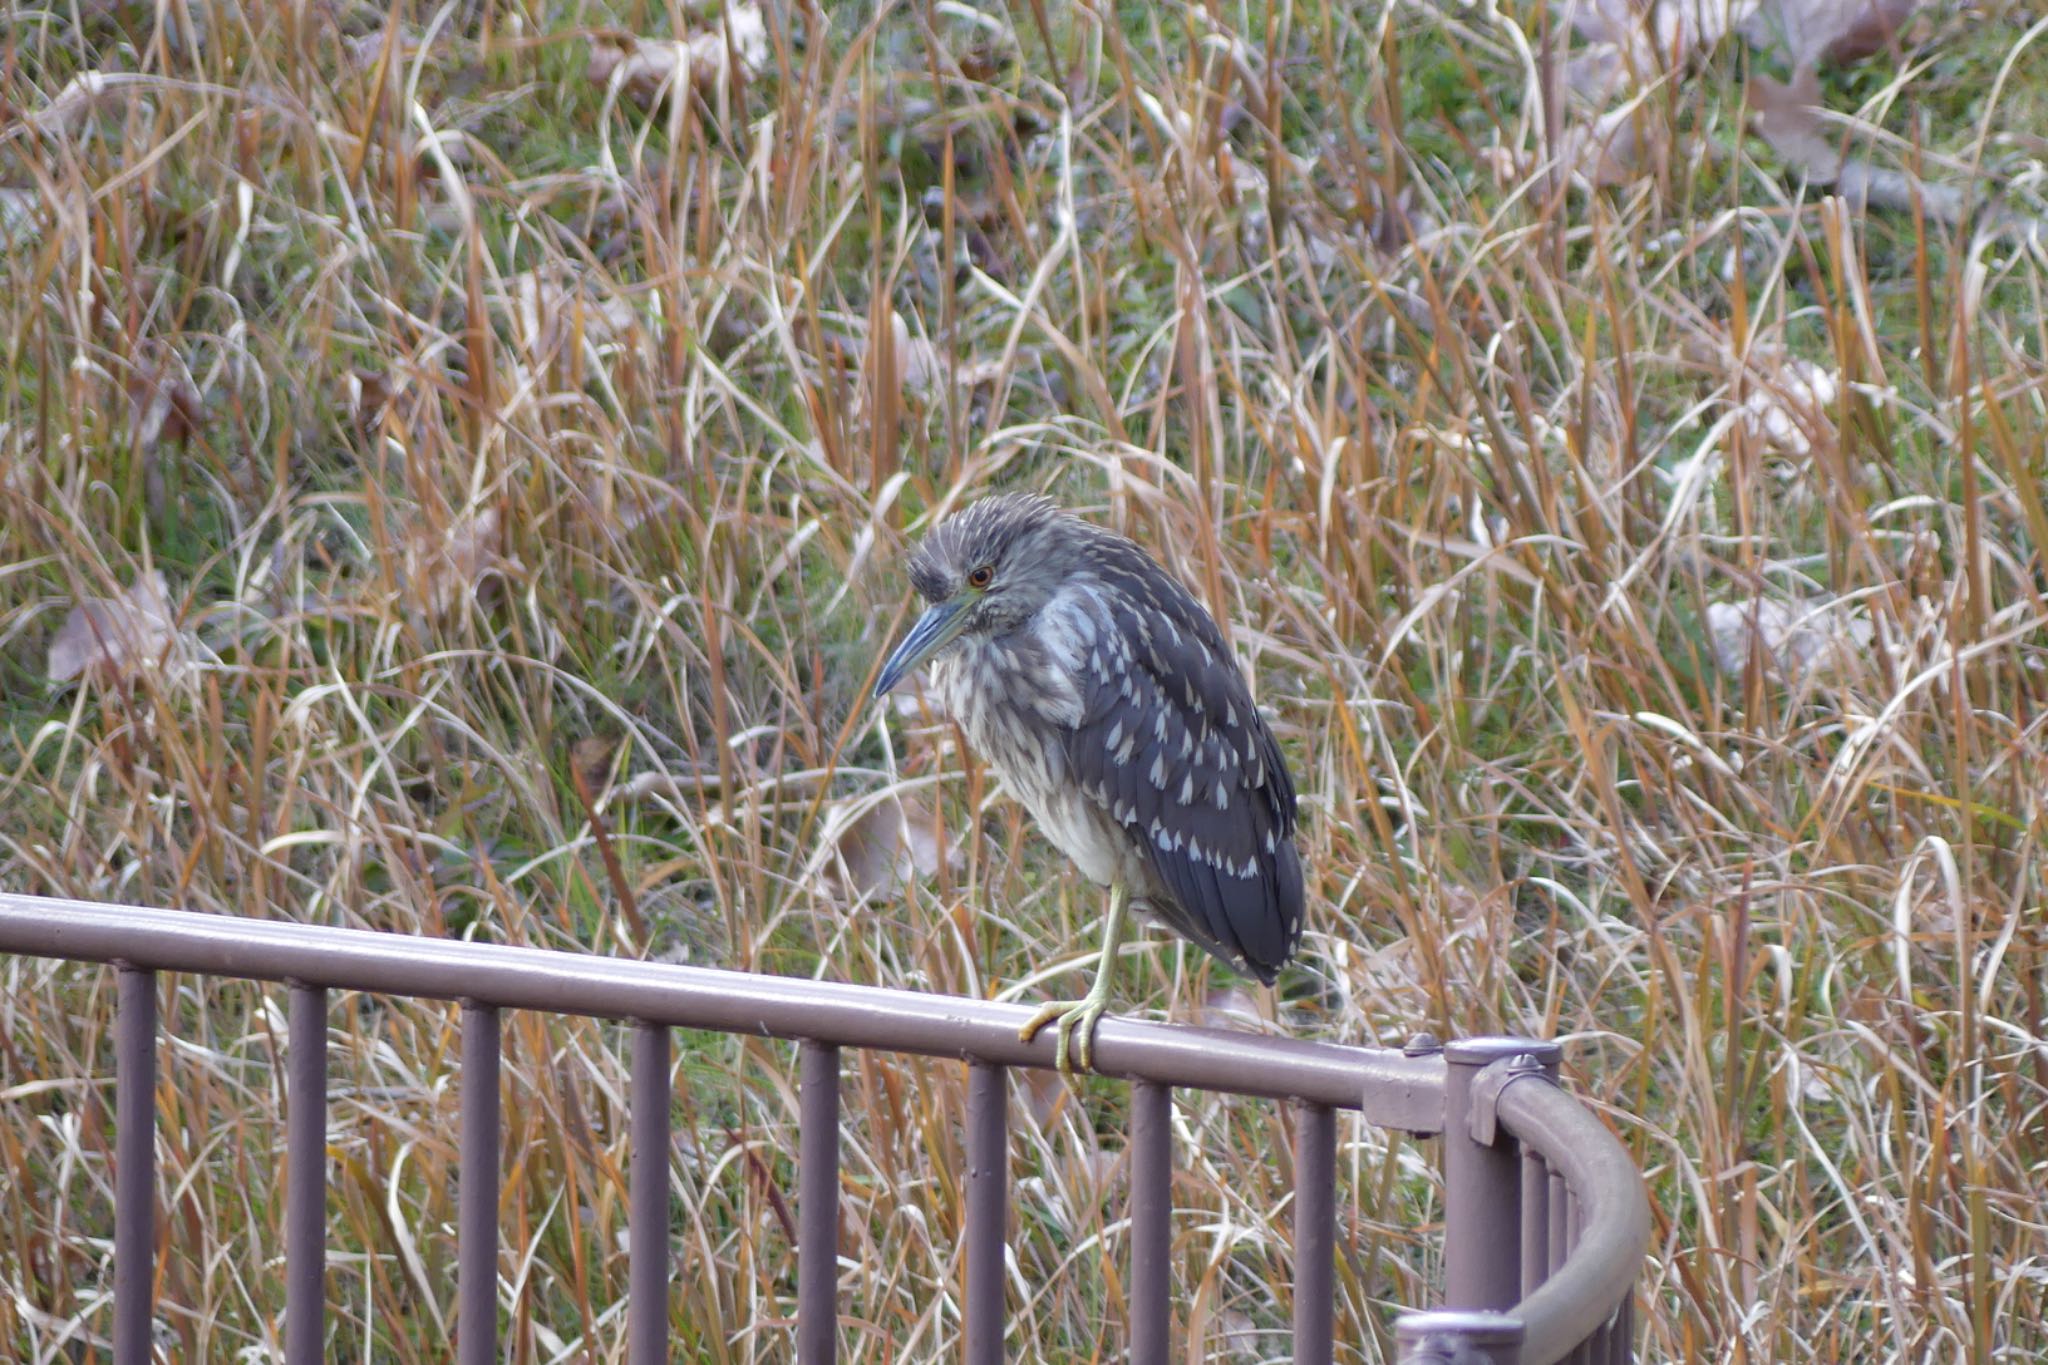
1103	693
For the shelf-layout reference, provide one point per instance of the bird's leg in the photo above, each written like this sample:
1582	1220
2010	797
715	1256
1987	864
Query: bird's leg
1077	1017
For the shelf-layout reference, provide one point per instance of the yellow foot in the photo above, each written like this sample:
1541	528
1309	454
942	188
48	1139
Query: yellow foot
1076	1019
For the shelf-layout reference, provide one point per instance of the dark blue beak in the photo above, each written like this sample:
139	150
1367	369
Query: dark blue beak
933	632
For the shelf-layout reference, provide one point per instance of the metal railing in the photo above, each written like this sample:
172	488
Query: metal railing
1546	1222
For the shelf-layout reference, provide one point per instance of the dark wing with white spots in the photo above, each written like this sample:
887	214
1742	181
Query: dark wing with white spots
1171	745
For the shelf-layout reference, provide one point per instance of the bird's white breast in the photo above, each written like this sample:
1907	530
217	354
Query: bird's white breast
1017	697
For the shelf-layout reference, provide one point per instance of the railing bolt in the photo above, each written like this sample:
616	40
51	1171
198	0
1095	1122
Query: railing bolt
1422	1045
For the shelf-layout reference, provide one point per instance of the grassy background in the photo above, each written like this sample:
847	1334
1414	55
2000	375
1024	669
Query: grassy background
508	442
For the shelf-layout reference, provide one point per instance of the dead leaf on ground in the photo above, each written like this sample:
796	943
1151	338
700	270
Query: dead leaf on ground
884	847
1043	1092
590	758
369	394
82	96
163	402
917	361
1827	32
445	563
1614	134
117	638
1789	118
1798	639
548	309
1231	1007
1240	1337
647	68
1653	36
1617	147
1630	44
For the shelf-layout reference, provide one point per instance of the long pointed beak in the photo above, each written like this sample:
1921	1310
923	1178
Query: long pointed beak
933	632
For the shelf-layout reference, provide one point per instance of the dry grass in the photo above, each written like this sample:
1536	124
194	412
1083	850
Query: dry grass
501	435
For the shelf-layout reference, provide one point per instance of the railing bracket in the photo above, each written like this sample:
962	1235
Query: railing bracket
1491	1083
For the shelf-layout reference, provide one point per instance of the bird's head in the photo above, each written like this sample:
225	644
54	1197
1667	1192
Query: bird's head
982	571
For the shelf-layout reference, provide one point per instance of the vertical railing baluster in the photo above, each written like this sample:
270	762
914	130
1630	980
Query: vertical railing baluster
1535	1221
1587	1351
305	1211
1151	1219
1482	1182
134	1166
1625	1331
1315	1233
476	1331
1560	1197
817	1239
647	1253
988	1196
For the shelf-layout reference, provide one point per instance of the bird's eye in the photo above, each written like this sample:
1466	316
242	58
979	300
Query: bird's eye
981	577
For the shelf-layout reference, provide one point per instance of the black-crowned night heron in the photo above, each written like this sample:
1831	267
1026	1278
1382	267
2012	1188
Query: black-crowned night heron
1103	694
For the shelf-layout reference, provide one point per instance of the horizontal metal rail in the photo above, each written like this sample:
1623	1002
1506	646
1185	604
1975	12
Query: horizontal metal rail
1392	1089
1545	1223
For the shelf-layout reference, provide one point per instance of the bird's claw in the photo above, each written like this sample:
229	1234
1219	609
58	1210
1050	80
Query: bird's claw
1076	1020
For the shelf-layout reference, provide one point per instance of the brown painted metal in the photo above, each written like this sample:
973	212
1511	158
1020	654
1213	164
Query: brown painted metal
1614	1220
1151	1222
1315	1234
1554	1232
305	1206
476	1215
1482	1184
1394	1091
1535	1220
1512	1141
647	1249
817	1239
1535	1212
988	1208
134	1166
1454	1337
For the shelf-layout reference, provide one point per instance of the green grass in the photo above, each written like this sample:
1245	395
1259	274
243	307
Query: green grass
1425	436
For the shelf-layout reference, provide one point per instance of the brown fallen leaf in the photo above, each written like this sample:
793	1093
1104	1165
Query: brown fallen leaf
163	402
1827	32
886	846
1790	119
1617	147
1630	44
117	638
